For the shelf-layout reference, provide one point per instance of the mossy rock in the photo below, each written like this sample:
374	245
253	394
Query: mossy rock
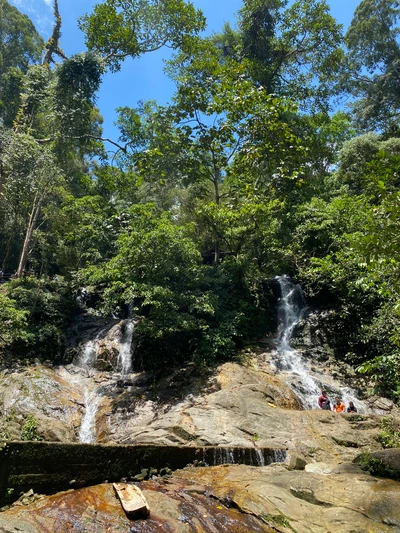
385	463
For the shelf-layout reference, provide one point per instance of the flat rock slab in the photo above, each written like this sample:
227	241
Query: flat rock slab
132	500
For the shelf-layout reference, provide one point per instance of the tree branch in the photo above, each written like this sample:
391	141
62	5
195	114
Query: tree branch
52	45
94	137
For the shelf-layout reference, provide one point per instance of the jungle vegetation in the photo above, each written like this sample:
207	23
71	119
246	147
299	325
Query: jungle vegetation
278	153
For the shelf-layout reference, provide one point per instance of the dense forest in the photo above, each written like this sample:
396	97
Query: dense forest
278	153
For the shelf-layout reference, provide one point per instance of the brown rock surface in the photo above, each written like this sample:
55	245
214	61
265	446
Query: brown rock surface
237	406
239	410
347	501
229	499
175	507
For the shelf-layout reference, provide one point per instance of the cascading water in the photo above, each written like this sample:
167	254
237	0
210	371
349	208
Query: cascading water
307	383
87	431
260	457
88	355
86	373
125	356
87	360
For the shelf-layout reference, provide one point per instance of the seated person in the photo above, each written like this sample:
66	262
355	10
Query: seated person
339	406
323	401
351	408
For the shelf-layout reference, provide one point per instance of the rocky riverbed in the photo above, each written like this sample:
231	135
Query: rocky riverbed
229	499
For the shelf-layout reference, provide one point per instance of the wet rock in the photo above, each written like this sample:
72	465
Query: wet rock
175	507
229	498
346	502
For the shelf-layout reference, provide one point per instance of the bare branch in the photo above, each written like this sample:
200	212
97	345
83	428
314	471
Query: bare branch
94	137
52	45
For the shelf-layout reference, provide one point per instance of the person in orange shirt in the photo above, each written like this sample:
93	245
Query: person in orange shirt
339	406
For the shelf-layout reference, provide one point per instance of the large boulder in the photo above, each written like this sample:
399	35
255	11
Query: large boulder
384	463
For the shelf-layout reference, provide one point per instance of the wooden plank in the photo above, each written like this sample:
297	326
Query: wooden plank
132	500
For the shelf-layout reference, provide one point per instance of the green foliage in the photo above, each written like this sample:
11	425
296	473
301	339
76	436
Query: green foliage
77	81
375	466
290	50
369	164
208	197
346	250
185	309
389	435
373	63
13	321
29	430
117	29
50	307
20	43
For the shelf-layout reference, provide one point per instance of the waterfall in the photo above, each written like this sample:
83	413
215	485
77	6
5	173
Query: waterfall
87	359
125	356
117	339
89	354
87	432
260	457
307	383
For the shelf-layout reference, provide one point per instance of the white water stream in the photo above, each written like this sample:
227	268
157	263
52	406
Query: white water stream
92	393
125	355
306	382
87	431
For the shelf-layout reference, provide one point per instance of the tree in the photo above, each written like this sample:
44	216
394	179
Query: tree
20	43
374	64
117	29
293	51
20	46
213	125
360	155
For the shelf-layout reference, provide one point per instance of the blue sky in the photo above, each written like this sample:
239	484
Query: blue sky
139	79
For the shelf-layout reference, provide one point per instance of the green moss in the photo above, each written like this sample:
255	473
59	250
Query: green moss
29	430
376	466
277	520
389	435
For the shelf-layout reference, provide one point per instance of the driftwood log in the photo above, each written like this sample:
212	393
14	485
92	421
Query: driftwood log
132	500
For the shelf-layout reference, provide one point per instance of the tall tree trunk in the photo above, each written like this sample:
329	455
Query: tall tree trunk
7	253
217	200
2	177
29	233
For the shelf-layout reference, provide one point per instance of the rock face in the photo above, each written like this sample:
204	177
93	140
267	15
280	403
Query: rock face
318	491
247	406
311	338
235	406
47	396
348	501
229	499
